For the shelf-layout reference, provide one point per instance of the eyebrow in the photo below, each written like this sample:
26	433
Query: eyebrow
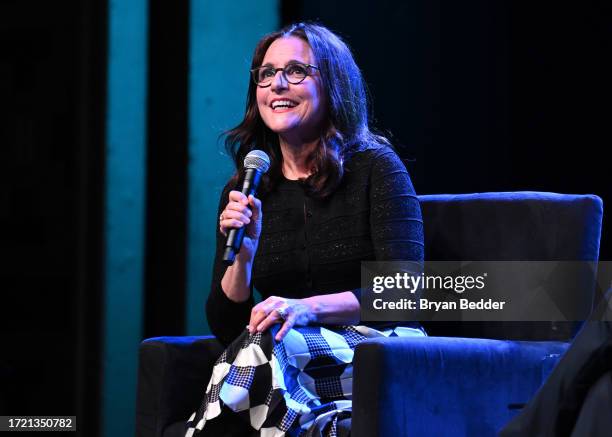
291	61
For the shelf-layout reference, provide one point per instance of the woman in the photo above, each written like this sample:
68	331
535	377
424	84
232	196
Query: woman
335	195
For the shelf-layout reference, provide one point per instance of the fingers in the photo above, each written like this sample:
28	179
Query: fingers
236	213
258	315
233	218
237	196
287	326
266	313
263	311
255	204
272	318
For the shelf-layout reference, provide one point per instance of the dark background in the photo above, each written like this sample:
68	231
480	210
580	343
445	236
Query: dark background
477	95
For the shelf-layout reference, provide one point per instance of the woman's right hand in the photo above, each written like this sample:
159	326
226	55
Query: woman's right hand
238	214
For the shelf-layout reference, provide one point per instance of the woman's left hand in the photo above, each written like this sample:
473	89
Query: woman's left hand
288	312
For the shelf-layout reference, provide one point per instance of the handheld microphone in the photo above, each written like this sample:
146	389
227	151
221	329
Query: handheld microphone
256	163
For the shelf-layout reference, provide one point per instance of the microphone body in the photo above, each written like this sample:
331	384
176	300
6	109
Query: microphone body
256	164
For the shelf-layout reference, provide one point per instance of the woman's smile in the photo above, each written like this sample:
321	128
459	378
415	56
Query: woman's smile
282	105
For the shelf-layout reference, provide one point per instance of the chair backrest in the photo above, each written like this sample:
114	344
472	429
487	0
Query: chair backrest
514	226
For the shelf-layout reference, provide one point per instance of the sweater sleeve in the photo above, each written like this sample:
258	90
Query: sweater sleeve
395	212
226	318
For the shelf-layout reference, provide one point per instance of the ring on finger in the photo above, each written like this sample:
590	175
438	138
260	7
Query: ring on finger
282	312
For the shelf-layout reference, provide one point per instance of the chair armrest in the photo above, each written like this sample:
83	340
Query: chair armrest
445	386
172	376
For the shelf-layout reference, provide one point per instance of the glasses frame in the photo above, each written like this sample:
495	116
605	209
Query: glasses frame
282	70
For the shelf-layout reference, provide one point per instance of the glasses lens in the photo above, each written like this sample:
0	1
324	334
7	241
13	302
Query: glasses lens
263	75
295	73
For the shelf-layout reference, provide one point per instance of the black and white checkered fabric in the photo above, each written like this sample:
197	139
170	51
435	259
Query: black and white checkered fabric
288	388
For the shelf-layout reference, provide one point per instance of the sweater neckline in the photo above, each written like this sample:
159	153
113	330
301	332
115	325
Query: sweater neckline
291	181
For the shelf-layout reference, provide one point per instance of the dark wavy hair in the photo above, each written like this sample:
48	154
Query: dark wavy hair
346	126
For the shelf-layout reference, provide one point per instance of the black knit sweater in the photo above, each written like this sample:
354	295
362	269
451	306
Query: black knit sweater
310	247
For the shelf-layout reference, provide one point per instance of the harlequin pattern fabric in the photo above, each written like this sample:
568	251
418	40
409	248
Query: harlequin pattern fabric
300	386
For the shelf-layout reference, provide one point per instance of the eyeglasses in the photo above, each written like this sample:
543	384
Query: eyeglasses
293	73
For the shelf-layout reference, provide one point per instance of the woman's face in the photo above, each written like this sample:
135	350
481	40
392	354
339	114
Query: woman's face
302	120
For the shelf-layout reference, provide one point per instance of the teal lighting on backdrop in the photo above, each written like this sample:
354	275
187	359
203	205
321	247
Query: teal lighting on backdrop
124	213
222	39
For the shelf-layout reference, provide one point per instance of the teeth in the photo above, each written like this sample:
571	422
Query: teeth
283	103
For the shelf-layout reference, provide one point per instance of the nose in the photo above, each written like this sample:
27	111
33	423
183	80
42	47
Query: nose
278	82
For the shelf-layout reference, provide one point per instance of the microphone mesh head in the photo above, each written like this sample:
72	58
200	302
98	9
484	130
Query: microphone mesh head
258	160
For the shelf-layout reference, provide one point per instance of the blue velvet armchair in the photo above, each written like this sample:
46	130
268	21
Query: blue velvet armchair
466	379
